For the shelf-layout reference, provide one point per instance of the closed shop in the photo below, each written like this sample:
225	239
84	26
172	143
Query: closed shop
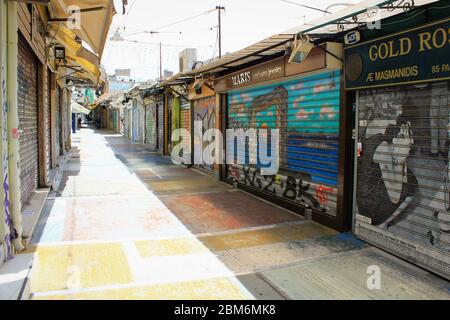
48	119
306	113
116	120
126	122
160	133
135	123
185	120
403	121
28	120
294	138
151	126
204	114
58	121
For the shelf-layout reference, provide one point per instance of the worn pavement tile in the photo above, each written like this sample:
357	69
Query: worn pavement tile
169	247
122	218
204	213
345	277
211	289
81	266
179	186
239	240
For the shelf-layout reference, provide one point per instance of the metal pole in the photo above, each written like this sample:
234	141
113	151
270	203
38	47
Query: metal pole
160	62
219	8
13	127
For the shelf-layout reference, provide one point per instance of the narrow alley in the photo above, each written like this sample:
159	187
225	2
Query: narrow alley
125	223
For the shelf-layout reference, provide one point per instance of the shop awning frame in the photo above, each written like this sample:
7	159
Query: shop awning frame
353	16
275	45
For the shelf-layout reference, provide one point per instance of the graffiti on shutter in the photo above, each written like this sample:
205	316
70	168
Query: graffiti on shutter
306	112
403	181
205	113
28	121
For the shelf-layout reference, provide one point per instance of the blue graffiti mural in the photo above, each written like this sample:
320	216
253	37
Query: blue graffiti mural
307	110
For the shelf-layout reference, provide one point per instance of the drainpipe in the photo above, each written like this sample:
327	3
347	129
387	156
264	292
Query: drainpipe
13	128
3	133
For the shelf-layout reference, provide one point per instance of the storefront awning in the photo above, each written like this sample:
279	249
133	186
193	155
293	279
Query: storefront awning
355	14
78	108
95	19
269	47
77	54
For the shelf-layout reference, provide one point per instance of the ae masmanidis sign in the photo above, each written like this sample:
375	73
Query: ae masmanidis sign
412	56
243	147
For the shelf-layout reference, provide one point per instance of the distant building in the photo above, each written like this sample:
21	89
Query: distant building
187	59
167	74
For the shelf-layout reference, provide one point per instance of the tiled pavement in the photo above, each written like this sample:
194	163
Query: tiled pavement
127	224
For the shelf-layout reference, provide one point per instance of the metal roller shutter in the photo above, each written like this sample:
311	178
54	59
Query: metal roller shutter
306	112
204	112
403	172
48	126
160	108
135	123
58	122
66	122
150	126
28	120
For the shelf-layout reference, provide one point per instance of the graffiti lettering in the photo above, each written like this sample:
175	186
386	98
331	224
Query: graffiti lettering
322	194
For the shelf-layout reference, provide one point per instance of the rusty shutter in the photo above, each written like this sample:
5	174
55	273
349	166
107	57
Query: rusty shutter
160	109
306	113
403	180
204	113
27	100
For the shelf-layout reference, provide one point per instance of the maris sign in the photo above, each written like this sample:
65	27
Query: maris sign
241	78
412	56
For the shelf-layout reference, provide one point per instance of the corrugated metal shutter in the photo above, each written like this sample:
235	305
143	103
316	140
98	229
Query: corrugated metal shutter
306	111
150	126
58	122
48	107
28	120
403	180
135	124
175	113
160	108
204	112
67	122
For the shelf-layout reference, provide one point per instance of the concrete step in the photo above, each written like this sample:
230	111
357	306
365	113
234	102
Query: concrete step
31	214
14	278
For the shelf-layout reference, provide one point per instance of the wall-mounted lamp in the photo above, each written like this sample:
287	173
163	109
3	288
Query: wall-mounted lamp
302	48
60	53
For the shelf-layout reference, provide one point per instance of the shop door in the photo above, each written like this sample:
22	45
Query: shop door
185	121
135	124
27	100
306	113
150	125
403	180
48	118
160	109
58	122
204	113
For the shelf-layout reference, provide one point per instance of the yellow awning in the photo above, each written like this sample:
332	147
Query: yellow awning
78	108
95	19
77	54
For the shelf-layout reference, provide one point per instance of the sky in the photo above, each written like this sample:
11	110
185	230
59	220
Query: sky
244	23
